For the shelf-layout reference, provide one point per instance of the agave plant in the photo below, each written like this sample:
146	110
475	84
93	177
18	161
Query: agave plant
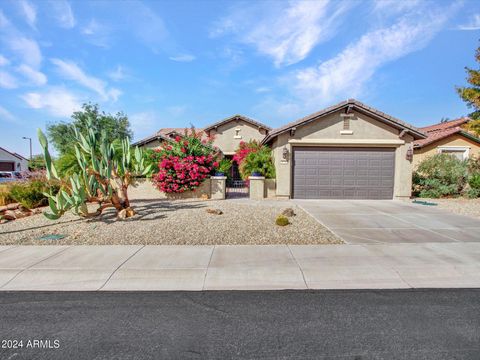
103	179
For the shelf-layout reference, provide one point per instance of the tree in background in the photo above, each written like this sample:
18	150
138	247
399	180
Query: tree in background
471	95
37	163
115	127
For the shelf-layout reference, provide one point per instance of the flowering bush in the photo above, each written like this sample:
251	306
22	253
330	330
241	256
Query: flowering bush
185	163
254	157
244	149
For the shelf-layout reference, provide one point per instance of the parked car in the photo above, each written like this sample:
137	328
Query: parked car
7	176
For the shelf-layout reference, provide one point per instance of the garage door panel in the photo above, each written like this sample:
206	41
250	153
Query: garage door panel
343	173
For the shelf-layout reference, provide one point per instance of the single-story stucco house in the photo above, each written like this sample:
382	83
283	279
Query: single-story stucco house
346	151
10	161
449	137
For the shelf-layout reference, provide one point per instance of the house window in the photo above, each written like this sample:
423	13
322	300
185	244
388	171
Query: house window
237	134
346	123
459	152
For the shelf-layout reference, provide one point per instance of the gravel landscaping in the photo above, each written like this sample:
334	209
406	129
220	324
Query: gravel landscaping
181	222
461	206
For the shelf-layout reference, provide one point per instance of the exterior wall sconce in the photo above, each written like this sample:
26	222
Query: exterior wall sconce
409	155
285	154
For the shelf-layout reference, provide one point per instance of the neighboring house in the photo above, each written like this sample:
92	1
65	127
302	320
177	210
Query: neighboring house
12	161
448	137
230	132
346	151
227	134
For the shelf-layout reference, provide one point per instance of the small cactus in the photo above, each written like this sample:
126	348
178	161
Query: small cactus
282	220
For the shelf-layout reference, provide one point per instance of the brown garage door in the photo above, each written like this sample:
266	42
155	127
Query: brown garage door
7	166
343	173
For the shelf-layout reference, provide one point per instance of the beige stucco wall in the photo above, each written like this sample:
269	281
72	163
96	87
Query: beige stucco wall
225	137
455	140
151	145
326	131
144	189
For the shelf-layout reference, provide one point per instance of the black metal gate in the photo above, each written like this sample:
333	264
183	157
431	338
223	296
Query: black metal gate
236	188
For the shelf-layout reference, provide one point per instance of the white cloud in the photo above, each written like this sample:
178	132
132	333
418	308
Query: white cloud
347	73
7	80
4	61
182	58
4	22
394	6
27	49
149	28
262	89
287	34
176	111
6	115
97	33
143	123
473	24
56	101
72	71
63	14
118	74
35	77
29	11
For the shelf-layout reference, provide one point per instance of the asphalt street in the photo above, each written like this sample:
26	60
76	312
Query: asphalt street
336	324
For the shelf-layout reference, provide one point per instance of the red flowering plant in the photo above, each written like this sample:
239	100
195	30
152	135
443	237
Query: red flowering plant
185	162
243	150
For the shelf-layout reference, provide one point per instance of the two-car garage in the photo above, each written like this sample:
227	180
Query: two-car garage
346	151
343	173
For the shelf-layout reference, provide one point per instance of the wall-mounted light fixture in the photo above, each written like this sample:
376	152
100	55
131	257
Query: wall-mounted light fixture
285	154
409	155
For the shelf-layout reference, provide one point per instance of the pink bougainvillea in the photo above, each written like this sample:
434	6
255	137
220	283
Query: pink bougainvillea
185	163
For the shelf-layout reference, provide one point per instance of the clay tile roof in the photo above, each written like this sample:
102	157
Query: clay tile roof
443	130
238	117
445	125
163	134
356	105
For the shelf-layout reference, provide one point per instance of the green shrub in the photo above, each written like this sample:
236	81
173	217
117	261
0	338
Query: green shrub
31	193
282	220
440	175
474	181
5	195
259	161
224	166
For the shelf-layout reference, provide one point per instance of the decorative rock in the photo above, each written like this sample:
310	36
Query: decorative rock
13	206
122	214
9	215
288	212
214	211
126	213
3	208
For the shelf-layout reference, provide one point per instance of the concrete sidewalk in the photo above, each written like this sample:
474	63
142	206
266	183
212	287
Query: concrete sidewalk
105	268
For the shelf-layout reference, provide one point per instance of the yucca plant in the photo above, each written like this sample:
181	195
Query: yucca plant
103	178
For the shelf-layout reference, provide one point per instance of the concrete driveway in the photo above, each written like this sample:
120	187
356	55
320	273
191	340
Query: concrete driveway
390	221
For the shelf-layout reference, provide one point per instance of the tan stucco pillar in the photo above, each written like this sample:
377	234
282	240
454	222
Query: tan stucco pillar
218	187
257	187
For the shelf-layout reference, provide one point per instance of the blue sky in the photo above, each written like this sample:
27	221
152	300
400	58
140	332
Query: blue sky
169	64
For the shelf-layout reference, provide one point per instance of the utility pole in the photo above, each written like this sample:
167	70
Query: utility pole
30	139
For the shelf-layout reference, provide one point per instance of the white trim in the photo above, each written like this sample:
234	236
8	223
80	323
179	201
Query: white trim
346	132
465	149
334	142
